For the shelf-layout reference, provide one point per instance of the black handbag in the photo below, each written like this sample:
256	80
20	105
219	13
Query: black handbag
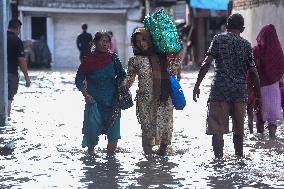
124	97
125	100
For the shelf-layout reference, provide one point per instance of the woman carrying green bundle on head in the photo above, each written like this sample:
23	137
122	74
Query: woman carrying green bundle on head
154	105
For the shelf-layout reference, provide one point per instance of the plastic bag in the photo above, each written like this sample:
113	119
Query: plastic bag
176	93
163	31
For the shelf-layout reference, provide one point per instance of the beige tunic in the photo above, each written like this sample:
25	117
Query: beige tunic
156	118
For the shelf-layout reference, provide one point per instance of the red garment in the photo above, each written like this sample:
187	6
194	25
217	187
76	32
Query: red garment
268	56
269	59
94	61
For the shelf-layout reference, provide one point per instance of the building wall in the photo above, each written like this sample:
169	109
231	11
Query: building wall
68	26
247	4
179	10
257	16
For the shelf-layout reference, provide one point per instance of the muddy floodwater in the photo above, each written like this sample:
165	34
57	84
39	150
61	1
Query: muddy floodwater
45	127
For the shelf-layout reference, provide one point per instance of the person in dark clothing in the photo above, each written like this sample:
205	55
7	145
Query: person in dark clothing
233	60
84	42
15	51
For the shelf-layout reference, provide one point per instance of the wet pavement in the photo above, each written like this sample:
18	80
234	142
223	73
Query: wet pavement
46	128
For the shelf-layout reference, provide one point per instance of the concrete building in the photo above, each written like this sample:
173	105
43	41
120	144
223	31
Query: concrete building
60	21
258	13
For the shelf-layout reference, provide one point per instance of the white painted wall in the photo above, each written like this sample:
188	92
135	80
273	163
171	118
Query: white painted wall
27	28
255	18
68	26
50	36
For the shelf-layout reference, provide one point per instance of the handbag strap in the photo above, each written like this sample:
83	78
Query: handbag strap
114	58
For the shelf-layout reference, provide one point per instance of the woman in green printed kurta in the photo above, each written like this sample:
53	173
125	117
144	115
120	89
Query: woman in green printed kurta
154	105
99	70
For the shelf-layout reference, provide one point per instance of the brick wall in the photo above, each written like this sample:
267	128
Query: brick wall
247	4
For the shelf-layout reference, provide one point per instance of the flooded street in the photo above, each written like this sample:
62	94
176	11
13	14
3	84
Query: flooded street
46	129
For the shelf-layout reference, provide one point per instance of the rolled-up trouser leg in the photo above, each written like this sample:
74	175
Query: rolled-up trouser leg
218	144
238	144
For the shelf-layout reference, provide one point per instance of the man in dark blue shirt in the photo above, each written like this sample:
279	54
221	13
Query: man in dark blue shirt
16	59
84	42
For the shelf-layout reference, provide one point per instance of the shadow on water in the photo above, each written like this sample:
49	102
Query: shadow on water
101	172
155	172
111	172
259	168
227	173
7	146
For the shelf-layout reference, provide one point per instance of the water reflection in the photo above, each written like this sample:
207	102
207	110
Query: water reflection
226	173
257	169
46	129
101	172
155	172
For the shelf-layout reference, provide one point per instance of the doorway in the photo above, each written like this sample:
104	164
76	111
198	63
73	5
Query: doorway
38	27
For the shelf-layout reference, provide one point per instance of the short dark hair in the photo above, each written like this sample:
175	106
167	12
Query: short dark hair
100	34
235	21
84	26
14	24
110	33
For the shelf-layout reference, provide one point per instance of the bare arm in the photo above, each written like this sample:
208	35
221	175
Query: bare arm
88	98
180	57
24	68
256	82
81	84
174	64
256	86
131	72
202	72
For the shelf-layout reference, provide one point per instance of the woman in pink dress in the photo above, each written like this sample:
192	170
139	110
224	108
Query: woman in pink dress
269	61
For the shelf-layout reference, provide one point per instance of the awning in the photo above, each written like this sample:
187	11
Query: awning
210	4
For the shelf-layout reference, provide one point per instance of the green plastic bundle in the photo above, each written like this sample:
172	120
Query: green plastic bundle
163	32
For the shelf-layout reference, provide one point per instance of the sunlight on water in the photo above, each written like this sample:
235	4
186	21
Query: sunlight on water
46	128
